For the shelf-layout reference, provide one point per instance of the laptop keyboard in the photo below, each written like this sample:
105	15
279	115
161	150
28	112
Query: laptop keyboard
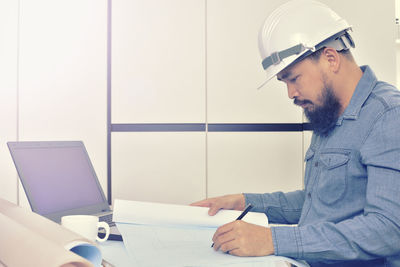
108	219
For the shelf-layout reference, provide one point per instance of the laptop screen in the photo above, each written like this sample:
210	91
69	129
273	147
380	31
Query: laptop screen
57	176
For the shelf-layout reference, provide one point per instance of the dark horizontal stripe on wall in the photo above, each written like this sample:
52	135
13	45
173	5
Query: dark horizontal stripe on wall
159	127
212	127
307	127
257	127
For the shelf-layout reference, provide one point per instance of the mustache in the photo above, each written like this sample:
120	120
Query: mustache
301	102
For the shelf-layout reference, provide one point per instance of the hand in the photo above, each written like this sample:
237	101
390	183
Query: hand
240	238
228	202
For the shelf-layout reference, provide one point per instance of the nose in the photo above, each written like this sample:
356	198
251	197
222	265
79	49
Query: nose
292	91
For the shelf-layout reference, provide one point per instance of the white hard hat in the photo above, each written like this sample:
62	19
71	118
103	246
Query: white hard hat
295	30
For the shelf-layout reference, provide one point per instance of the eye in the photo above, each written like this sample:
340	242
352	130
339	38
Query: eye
293	80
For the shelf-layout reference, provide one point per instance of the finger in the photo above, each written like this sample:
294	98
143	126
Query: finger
208	203
224	242
213	210
201	203
235	252
229	247
219	245
222	230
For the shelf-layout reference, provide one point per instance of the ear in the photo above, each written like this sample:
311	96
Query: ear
332	57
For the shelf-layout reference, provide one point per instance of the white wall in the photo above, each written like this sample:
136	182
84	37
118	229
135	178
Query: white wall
174	61
55	87
225	33
62	74
158	61
8	95
188	62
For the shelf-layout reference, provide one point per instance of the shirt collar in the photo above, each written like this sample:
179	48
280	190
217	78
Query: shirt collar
360	95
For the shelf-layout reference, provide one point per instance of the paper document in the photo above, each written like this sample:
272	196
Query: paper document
175	236
149	213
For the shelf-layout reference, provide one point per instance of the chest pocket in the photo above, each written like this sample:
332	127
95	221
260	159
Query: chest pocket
308	160
332	181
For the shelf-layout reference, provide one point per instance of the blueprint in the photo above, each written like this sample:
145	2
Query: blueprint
180	244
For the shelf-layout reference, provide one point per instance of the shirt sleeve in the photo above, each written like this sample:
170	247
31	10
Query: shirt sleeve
374	233
279	207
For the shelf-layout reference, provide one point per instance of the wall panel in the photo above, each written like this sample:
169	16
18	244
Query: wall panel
161	167
254	162
8	96
158	61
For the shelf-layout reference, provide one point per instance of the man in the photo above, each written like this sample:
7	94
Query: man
349	212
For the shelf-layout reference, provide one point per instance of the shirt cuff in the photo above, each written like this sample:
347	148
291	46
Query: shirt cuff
287	241
256	201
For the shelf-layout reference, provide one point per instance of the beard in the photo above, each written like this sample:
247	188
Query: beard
323	118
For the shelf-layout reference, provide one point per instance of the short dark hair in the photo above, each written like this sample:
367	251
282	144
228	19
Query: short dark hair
317	54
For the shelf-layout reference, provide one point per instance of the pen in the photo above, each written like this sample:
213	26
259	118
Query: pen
245	211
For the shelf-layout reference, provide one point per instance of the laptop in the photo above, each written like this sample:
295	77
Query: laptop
59	179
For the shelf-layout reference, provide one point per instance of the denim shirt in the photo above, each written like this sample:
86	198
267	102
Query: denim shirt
349	212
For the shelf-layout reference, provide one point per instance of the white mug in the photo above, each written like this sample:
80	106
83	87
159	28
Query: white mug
86	225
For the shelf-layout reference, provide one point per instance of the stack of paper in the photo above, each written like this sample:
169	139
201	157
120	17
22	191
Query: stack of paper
158	234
